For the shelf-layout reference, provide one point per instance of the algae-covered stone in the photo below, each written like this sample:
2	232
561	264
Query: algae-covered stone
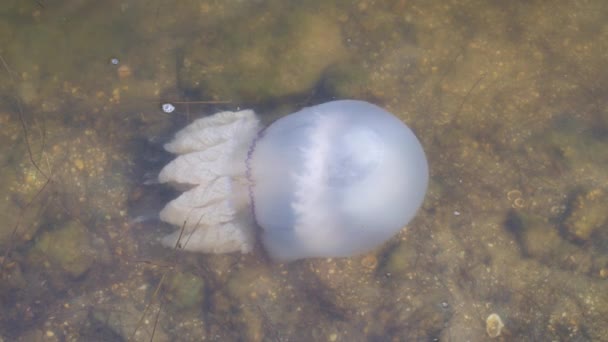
588	214
540	238
285	56
348	80
18	222
570	146
123	320
402	259
11	276
67	248
259	298
317	43
20	207
184	290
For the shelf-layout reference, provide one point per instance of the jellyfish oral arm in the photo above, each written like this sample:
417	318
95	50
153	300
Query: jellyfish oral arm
213	214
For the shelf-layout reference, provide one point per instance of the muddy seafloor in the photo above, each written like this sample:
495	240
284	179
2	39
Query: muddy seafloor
509	99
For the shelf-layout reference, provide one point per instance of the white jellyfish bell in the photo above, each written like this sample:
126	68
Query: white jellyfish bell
332	180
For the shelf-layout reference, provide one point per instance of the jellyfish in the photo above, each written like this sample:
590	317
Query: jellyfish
332	180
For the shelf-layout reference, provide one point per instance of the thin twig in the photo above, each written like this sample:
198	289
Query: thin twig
147	308
466	96
160	308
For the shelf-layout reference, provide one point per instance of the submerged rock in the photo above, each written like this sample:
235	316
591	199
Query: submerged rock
19	210
20	222
401	259
67	248
184	290
122	321
540	239
283	57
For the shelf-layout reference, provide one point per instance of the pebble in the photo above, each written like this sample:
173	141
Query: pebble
168	108
79	164
369	261
124	71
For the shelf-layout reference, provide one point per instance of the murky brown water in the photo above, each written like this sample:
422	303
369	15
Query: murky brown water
510	100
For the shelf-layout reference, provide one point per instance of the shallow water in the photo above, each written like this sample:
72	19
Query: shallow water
509	100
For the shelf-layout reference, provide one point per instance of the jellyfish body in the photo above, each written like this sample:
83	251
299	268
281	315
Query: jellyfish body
332	180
